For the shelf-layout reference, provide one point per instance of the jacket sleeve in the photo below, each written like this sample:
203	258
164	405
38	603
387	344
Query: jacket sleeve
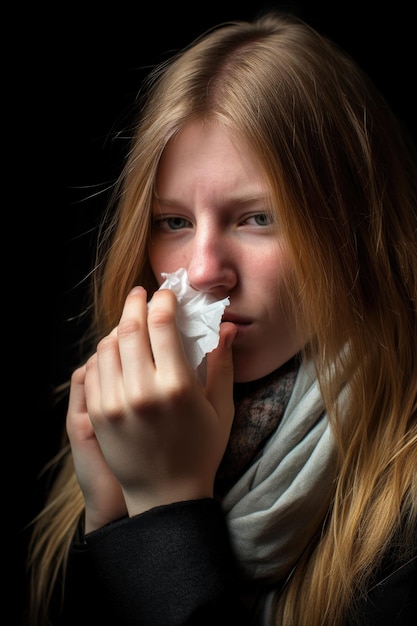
172	565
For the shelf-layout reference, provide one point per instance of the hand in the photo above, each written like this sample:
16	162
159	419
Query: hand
161	433
103	496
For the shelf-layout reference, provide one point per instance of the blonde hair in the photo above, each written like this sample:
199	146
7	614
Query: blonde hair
343	180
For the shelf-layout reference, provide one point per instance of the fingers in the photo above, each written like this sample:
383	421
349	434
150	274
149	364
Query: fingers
124	362
145	352
78	424
132	361
133	341
167	348
147	338
139	420
101	490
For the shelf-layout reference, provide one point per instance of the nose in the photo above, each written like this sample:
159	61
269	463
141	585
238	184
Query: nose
212	265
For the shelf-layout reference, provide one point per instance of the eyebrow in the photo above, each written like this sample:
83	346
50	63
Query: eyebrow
234	200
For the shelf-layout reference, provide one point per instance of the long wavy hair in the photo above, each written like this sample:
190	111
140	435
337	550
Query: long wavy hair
343	181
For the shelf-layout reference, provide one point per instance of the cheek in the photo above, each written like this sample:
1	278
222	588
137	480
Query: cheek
286	291
280	288
276	268
166	259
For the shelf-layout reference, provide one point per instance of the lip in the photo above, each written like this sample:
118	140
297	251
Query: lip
243	324
235	319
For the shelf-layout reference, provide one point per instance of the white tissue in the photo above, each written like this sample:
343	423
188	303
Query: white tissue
198	316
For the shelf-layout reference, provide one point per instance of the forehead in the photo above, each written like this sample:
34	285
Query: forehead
208	154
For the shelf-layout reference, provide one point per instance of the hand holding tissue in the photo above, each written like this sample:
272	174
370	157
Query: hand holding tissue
198	317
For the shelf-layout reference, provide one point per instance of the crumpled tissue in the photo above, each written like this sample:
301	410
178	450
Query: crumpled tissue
198	316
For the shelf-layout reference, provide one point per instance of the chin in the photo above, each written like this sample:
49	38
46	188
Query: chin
248	368
249	373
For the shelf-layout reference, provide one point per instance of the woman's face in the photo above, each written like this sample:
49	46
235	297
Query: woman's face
212	217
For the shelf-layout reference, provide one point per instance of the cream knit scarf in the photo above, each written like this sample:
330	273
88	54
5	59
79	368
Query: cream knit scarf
281	487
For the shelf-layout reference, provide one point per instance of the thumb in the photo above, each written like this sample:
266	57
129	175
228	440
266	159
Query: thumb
219	380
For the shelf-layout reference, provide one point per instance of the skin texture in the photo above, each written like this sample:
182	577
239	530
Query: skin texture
213	218
143	430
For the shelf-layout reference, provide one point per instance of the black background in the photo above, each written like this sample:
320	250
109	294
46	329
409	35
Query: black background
73	82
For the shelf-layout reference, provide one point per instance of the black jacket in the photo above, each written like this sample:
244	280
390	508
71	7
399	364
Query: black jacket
174	566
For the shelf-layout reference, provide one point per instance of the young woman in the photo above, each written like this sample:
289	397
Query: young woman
283	489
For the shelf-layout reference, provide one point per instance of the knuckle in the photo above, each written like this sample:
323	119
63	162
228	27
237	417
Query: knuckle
178	391
77	376
159	318
115	414
90	364
163	309
127	328
105	344
111	412
142	404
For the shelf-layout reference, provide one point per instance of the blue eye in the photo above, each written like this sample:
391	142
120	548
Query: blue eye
261	219
171	223
176	223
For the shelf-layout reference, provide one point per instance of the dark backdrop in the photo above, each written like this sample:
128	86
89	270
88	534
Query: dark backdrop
73	84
